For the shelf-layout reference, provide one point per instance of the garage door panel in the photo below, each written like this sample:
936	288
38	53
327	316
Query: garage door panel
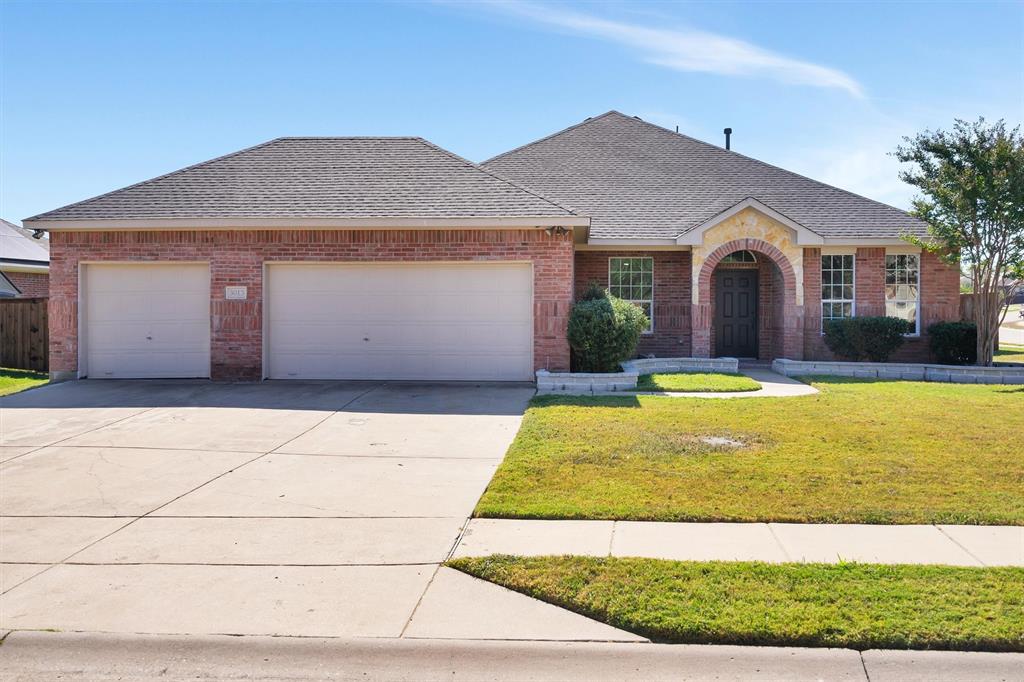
396	338
147	321
400	321
148	364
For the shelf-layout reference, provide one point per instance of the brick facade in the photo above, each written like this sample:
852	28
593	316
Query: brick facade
236	257
671	335
31	284
940	299
784	329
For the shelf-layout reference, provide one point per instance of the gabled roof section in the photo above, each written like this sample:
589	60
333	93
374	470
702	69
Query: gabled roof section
639	181
17	246
322	179
804	236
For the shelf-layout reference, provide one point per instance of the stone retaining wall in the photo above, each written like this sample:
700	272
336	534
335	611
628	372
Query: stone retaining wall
957	374
582	382
662	365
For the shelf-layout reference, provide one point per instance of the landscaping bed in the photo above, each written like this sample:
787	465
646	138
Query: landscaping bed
860	451
696	382
861	606
15	380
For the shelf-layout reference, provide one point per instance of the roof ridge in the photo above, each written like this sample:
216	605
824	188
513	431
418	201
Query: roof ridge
589	119
346	137
496	176
765	163
154	179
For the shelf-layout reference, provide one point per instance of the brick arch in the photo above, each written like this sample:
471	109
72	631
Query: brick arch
756	245
703	312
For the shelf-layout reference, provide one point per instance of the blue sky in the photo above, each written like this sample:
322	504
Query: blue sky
98	95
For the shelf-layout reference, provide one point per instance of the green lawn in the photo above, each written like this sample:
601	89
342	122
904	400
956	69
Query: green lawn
702	382
862	606
1009	353
14	380
860	451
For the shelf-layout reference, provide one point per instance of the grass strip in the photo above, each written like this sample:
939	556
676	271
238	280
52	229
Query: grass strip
696	382
860	606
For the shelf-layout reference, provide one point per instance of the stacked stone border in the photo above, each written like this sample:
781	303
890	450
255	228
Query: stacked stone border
956	374
586	382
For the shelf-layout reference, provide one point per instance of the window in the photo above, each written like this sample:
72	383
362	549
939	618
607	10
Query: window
837	287
902	288
632	279
739	257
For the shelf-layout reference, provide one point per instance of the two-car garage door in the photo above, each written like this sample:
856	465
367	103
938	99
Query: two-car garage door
416	321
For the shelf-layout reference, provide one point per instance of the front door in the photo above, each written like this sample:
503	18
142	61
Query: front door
736	313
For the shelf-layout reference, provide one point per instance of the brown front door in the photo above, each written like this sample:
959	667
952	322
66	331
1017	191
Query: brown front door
736	313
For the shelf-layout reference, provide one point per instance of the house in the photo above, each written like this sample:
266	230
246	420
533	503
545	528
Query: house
730	256
390	258
24	263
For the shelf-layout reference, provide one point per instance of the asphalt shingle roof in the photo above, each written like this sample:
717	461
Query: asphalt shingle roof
16	245
637	180
307	177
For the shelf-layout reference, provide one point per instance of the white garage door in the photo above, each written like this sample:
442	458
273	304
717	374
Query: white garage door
146	321
417	321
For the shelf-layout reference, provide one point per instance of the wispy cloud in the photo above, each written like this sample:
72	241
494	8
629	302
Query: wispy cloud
686	49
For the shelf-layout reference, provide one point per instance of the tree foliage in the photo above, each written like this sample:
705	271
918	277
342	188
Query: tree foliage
971	181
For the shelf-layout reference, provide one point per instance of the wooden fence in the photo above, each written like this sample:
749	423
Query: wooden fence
24	334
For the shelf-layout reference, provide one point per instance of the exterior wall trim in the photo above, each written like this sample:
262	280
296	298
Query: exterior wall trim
162	224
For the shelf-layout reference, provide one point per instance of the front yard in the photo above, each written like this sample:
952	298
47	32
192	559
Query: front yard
863	606
14	380
858	452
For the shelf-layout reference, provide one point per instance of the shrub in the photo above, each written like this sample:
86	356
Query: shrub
604	331
954	343
871	338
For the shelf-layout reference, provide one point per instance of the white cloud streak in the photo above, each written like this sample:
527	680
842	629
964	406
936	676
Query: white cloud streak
688	49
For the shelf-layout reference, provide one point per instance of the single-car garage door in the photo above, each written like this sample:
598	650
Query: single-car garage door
416	321
146	321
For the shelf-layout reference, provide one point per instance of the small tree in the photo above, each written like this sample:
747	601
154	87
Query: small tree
972	185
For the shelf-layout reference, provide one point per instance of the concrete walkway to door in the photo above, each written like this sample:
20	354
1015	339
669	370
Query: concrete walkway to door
282	508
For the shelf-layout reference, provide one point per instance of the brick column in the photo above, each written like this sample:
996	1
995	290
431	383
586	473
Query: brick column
869	276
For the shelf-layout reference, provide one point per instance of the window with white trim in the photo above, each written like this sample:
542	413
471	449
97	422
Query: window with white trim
837	287
632	279
903	288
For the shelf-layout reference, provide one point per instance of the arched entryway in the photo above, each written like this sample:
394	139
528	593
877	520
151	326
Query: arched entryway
746	304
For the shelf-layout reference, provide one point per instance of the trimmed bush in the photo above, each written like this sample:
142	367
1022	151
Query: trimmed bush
954	343
865	338
603	331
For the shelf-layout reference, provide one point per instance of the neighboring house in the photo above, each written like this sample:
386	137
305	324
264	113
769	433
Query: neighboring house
391	258
24	263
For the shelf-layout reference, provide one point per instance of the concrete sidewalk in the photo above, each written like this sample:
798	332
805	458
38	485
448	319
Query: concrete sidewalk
772	542
47	656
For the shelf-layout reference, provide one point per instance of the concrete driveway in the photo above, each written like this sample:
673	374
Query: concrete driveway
312	509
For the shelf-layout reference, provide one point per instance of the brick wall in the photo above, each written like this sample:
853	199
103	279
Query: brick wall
32	284
671	337
236	258
940	299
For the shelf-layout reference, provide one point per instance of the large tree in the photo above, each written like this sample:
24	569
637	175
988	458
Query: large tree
972	197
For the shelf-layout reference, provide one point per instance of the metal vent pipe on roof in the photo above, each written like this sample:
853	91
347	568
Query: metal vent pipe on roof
728	134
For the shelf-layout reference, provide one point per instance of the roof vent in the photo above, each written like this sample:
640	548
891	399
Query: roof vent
728	134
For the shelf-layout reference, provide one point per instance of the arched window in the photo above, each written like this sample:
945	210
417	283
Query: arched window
740	257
